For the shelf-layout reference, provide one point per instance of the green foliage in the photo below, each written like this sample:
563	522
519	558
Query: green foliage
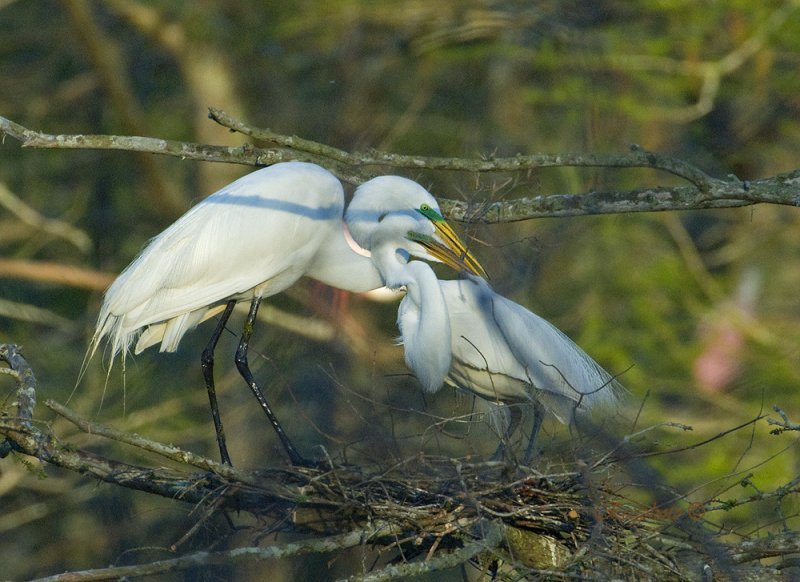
445	78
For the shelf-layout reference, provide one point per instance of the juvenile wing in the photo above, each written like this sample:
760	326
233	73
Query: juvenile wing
565	374
483	361
505	352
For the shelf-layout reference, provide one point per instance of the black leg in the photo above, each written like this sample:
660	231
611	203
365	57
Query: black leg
207	363
514	417
244	369
538	419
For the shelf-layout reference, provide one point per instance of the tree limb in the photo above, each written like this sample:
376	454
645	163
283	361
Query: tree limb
276	552
702	193
637	158
491	538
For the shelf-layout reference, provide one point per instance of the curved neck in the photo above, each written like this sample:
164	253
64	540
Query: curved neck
338	264
428	346
391	266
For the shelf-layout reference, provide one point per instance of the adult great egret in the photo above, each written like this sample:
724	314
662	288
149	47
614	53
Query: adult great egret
465	334
250	240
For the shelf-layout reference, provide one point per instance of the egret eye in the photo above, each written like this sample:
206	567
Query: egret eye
429	212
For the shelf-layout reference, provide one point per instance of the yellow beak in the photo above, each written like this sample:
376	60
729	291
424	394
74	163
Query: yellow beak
453	252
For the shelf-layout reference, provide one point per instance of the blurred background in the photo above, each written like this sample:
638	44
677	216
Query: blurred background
697	310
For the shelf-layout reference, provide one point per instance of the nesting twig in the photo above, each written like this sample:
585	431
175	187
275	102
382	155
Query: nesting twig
430	512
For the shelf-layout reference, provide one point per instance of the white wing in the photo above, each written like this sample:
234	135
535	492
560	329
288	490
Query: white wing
506	353
257	235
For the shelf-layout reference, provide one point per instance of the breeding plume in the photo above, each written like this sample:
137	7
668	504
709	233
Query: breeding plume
253	239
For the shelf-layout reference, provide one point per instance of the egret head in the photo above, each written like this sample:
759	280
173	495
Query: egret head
391	210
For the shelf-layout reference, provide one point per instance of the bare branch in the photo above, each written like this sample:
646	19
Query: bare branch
656	199
169	451
288	550
637	158
433	512
492	537
781	544
184	150
784	425
704	191
26	392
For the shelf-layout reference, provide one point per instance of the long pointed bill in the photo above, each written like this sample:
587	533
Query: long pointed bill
451	251
462	261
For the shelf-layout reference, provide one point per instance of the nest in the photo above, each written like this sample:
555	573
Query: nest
421	514
570	523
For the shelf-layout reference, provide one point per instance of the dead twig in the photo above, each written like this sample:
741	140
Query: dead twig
435	512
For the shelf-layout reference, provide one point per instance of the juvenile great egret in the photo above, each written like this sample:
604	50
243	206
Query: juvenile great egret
250	240
509	355
463	333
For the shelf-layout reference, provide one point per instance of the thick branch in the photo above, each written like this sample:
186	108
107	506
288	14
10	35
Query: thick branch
185	150
46	447
786	543
276	552
704	191
596	203
26	381
492	537
169	451
637	158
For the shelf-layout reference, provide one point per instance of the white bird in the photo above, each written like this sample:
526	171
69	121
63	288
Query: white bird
509	355
250	240
464	334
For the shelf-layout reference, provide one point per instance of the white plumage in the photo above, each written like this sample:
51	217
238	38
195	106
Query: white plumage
465	334
504	352
254	237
